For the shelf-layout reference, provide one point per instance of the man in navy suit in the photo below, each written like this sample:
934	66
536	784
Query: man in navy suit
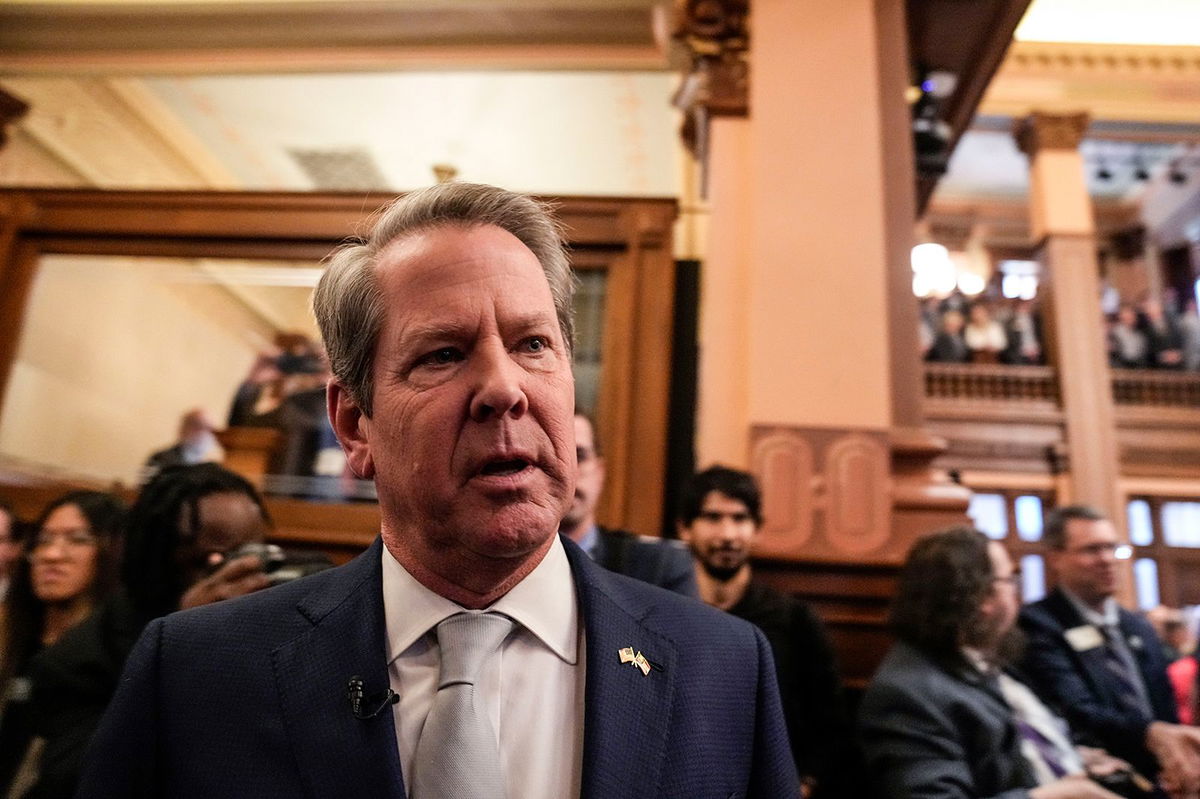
1098	662
656	561
449	335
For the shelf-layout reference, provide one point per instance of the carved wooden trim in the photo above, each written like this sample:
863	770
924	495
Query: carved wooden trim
715	36
1040	131
827	492
1059	60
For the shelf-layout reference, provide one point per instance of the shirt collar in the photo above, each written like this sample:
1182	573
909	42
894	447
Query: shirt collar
543	603
1106	617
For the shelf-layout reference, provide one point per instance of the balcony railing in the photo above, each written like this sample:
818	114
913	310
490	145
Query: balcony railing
1039	385
1163	389
991	383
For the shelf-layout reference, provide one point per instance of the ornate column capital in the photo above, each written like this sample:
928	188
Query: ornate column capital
1042	131
11	109
715	37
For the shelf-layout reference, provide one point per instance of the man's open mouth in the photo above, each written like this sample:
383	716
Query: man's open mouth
504	467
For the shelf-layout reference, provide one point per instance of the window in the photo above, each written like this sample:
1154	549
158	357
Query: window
1181	524
1145	581
1141	529
990	515
1029	517
1033	578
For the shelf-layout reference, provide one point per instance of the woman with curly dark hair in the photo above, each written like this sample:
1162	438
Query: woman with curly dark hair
70	564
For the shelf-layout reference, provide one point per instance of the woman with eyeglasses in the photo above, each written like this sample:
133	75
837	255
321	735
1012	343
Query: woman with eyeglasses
70	564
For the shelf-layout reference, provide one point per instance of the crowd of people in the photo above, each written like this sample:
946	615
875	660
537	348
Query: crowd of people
1146	335
496	641
83	580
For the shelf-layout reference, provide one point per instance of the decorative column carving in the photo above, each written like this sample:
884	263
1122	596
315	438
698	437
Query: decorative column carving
1062	220
11	109
715	36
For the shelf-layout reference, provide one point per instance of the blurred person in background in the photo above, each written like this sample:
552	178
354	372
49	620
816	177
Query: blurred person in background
196	444
10	550
181	534
948	345
69	566
984	336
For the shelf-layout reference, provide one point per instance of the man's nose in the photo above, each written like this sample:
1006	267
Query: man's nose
500	390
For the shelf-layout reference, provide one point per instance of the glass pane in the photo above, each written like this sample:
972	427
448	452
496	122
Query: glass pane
1141	530
1145	580
115	350
1181	524
989	513
1029	518
589	338
1033	578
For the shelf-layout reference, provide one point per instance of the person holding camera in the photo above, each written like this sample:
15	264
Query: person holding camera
178	535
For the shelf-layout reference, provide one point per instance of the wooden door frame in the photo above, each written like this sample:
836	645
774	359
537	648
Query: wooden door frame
629	237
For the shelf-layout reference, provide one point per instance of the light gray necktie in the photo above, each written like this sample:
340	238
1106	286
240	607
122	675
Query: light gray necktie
458	756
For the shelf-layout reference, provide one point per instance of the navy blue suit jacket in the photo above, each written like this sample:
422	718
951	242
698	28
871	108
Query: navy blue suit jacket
657	561
247	698
1081	686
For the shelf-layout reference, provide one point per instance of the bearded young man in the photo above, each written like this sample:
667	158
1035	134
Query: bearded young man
719	518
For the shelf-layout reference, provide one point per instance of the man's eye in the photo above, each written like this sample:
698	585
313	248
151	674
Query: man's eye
536	344
441	357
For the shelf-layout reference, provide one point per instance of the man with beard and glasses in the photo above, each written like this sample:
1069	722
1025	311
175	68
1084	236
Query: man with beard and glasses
651	560
720	515
944	716
1102	663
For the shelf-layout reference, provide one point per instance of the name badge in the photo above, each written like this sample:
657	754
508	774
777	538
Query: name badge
1083	638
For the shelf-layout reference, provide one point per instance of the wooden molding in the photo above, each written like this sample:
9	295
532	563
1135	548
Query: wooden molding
1041	131
215	38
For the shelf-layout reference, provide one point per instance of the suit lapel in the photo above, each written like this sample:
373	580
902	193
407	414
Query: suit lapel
1091	660
627	714
338	754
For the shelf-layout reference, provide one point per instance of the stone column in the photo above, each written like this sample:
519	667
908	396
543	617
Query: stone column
1062	222
809	366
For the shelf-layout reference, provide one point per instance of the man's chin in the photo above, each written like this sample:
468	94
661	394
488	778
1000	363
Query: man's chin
721	572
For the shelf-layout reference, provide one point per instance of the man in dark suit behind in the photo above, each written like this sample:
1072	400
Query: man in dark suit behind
943	718
1100	663
652	560
453	658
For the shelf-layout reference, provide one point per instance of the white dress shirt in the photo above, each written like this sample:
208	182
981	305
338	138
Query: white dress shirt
533	691
1028	708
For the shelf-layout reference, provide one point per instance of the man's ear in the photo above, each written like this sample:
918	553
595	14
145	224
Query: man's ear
352	428
682	532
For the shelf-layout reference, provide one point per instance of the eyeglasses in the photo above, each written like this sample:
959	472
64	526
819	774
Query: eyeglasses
1095	550
72	539
1013	579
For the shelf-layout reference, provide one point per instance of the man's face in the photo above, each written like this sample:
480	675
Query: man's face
1000	609
470	442
228	520
589	477
720	536
1087	564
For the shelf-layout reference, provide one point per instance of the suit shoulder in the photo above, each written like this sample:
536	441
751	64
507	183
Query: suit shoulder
269	617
